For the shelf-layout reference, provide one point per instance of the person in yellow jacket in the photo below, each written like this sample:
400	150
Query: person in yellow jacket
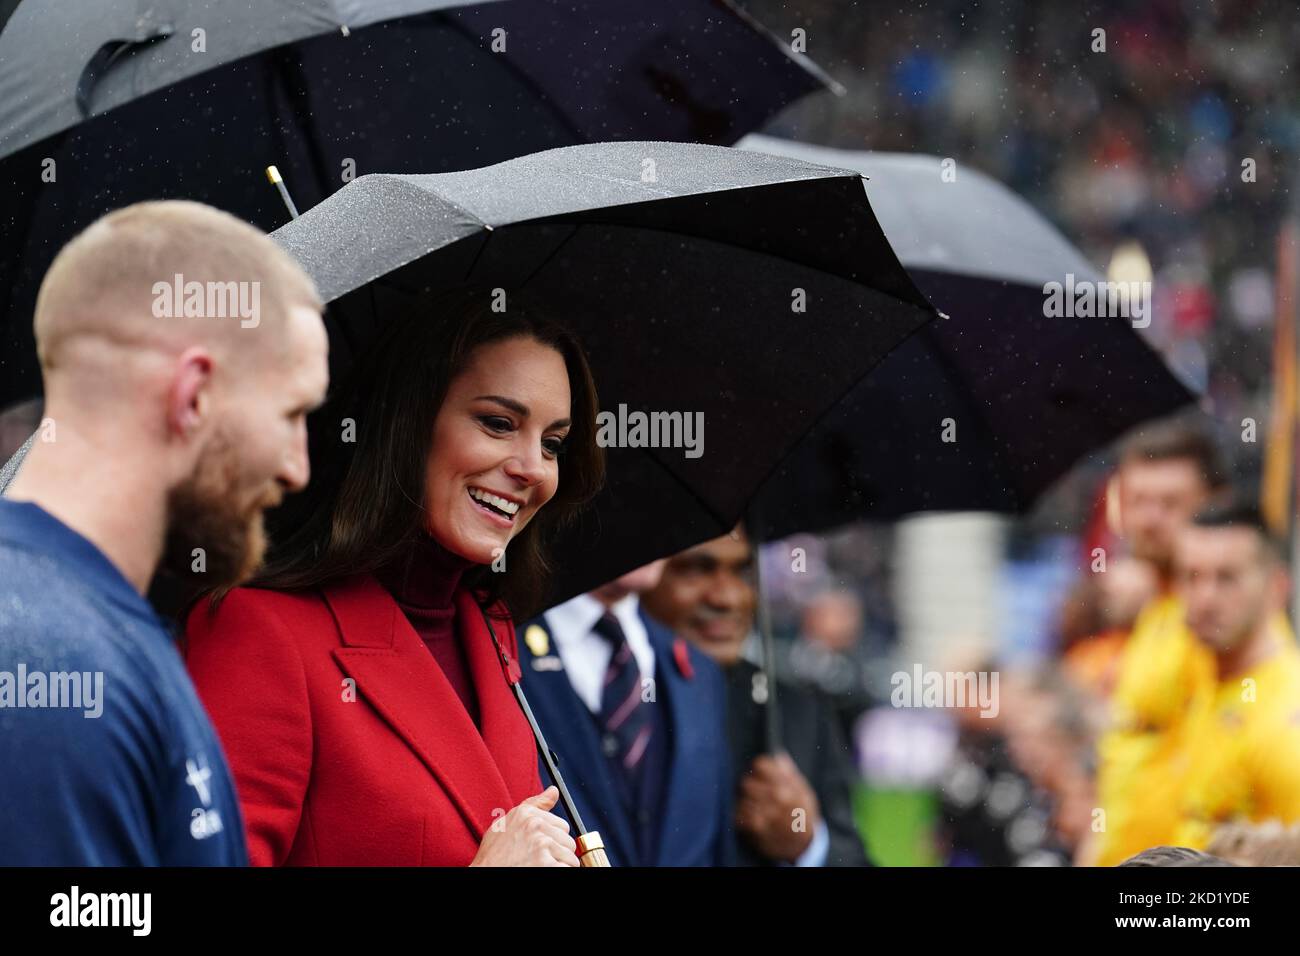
1165	476
1240	755
1162	672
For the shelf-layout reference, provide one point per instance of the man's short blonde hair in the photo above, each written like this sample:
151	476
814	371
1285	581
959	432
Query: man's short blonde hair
102	285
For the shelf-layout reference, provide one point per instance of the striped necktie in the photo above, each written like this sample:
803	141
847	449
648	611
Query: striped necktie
624	719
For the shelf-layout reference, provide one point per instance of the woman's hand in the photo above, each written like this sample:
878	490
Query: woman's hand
529	835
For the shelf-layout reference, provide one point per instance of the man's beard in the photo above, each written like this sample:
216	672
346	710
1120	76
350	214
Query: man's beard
205	515
1230	637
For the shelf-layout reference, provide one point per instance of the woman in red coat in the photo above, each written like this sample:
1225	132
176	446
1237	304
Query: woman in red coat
359	695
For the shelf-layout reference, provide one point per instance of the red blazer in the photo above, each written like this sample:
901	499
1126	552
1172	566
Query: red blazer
394	773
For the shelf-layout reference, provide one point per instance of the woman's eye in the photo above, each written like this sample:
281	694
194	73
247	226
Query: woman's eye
553	446
496	423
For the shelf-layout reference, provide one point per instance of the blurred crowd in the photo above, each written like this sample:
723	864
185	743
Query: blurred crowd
1165	711
1176	142
1163	133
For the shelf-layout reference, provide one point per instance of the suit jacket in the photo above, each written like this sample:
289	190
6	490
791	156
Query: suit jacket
811	735
348	745
695	819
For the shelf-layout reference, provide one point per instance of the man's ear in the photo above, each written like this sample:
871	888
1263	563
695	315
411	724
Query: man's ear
188	397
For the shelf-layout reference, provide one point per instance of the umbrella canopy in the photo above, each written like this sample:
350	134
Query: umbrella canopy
680	289
1022	395
105	104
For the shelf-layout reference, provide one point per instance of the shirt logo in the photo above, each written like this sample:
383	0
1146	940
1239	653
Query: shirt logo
205	821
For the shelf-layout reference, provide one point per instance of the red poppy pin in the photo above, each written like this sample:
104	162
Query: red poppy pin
513	671
682	655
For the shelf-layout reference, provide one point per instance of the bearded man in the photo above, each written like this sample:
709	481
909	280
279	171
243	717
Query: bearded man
167	432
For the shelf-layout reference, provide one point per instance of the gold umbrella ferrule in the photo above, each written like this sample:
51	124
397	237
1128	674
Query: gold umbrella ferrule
591	849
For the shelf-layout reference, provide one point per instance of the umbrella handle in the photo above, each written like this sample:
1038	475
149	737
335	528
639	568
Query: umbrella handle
771	712
591	848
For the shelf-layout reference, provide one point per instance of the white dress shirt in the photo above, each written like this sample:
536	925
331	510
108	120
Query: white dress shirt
585	653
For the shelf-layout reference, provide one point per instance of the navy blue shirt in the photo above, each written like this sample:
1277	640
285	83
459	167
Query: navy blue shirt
107	758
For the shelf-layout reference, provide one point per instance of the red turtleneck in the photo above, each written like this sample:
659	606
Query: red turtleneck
423	585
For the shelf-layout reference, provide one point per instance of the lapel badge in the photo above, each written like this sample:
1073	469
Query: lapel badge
538	641
682	655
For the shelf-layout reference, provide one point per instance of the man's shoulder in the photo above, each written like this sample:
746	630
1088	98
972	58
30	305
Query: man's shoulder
685	657
80	683
49	617
1277	689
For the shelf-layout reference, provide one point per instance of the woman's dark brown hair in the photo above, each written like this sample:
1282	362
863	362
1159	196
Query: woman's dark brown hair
364	506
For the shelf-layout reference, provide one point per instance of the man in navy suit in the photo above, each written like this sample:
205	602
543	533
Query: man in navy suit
637	720
706	594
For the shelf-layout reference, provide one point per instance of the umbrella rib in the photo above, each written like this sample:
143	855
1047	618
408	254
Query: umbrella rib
723	523
486	235
574	228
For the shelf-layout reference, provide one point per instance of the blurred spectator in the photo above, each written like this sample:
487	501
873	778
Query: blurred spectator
828	654
1166	474
1096	621
1240	758
1015	793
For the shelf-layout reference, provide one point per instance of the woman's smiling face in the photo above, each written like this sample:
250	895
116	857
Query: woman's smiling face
493	460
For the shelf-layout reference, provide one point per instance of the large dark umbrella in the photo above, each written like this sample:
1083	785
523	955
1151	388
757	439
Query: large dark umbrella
681	289
1028	395
677	266
109	102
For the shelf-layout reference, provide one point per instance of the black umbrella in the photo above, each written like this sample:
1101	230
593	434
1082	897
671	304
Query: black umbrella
678	267
1024	394
681	289
107	103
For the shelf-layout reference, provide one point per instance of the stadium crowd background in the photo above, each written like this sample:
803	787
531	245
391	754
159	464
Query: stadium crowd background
1140	148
